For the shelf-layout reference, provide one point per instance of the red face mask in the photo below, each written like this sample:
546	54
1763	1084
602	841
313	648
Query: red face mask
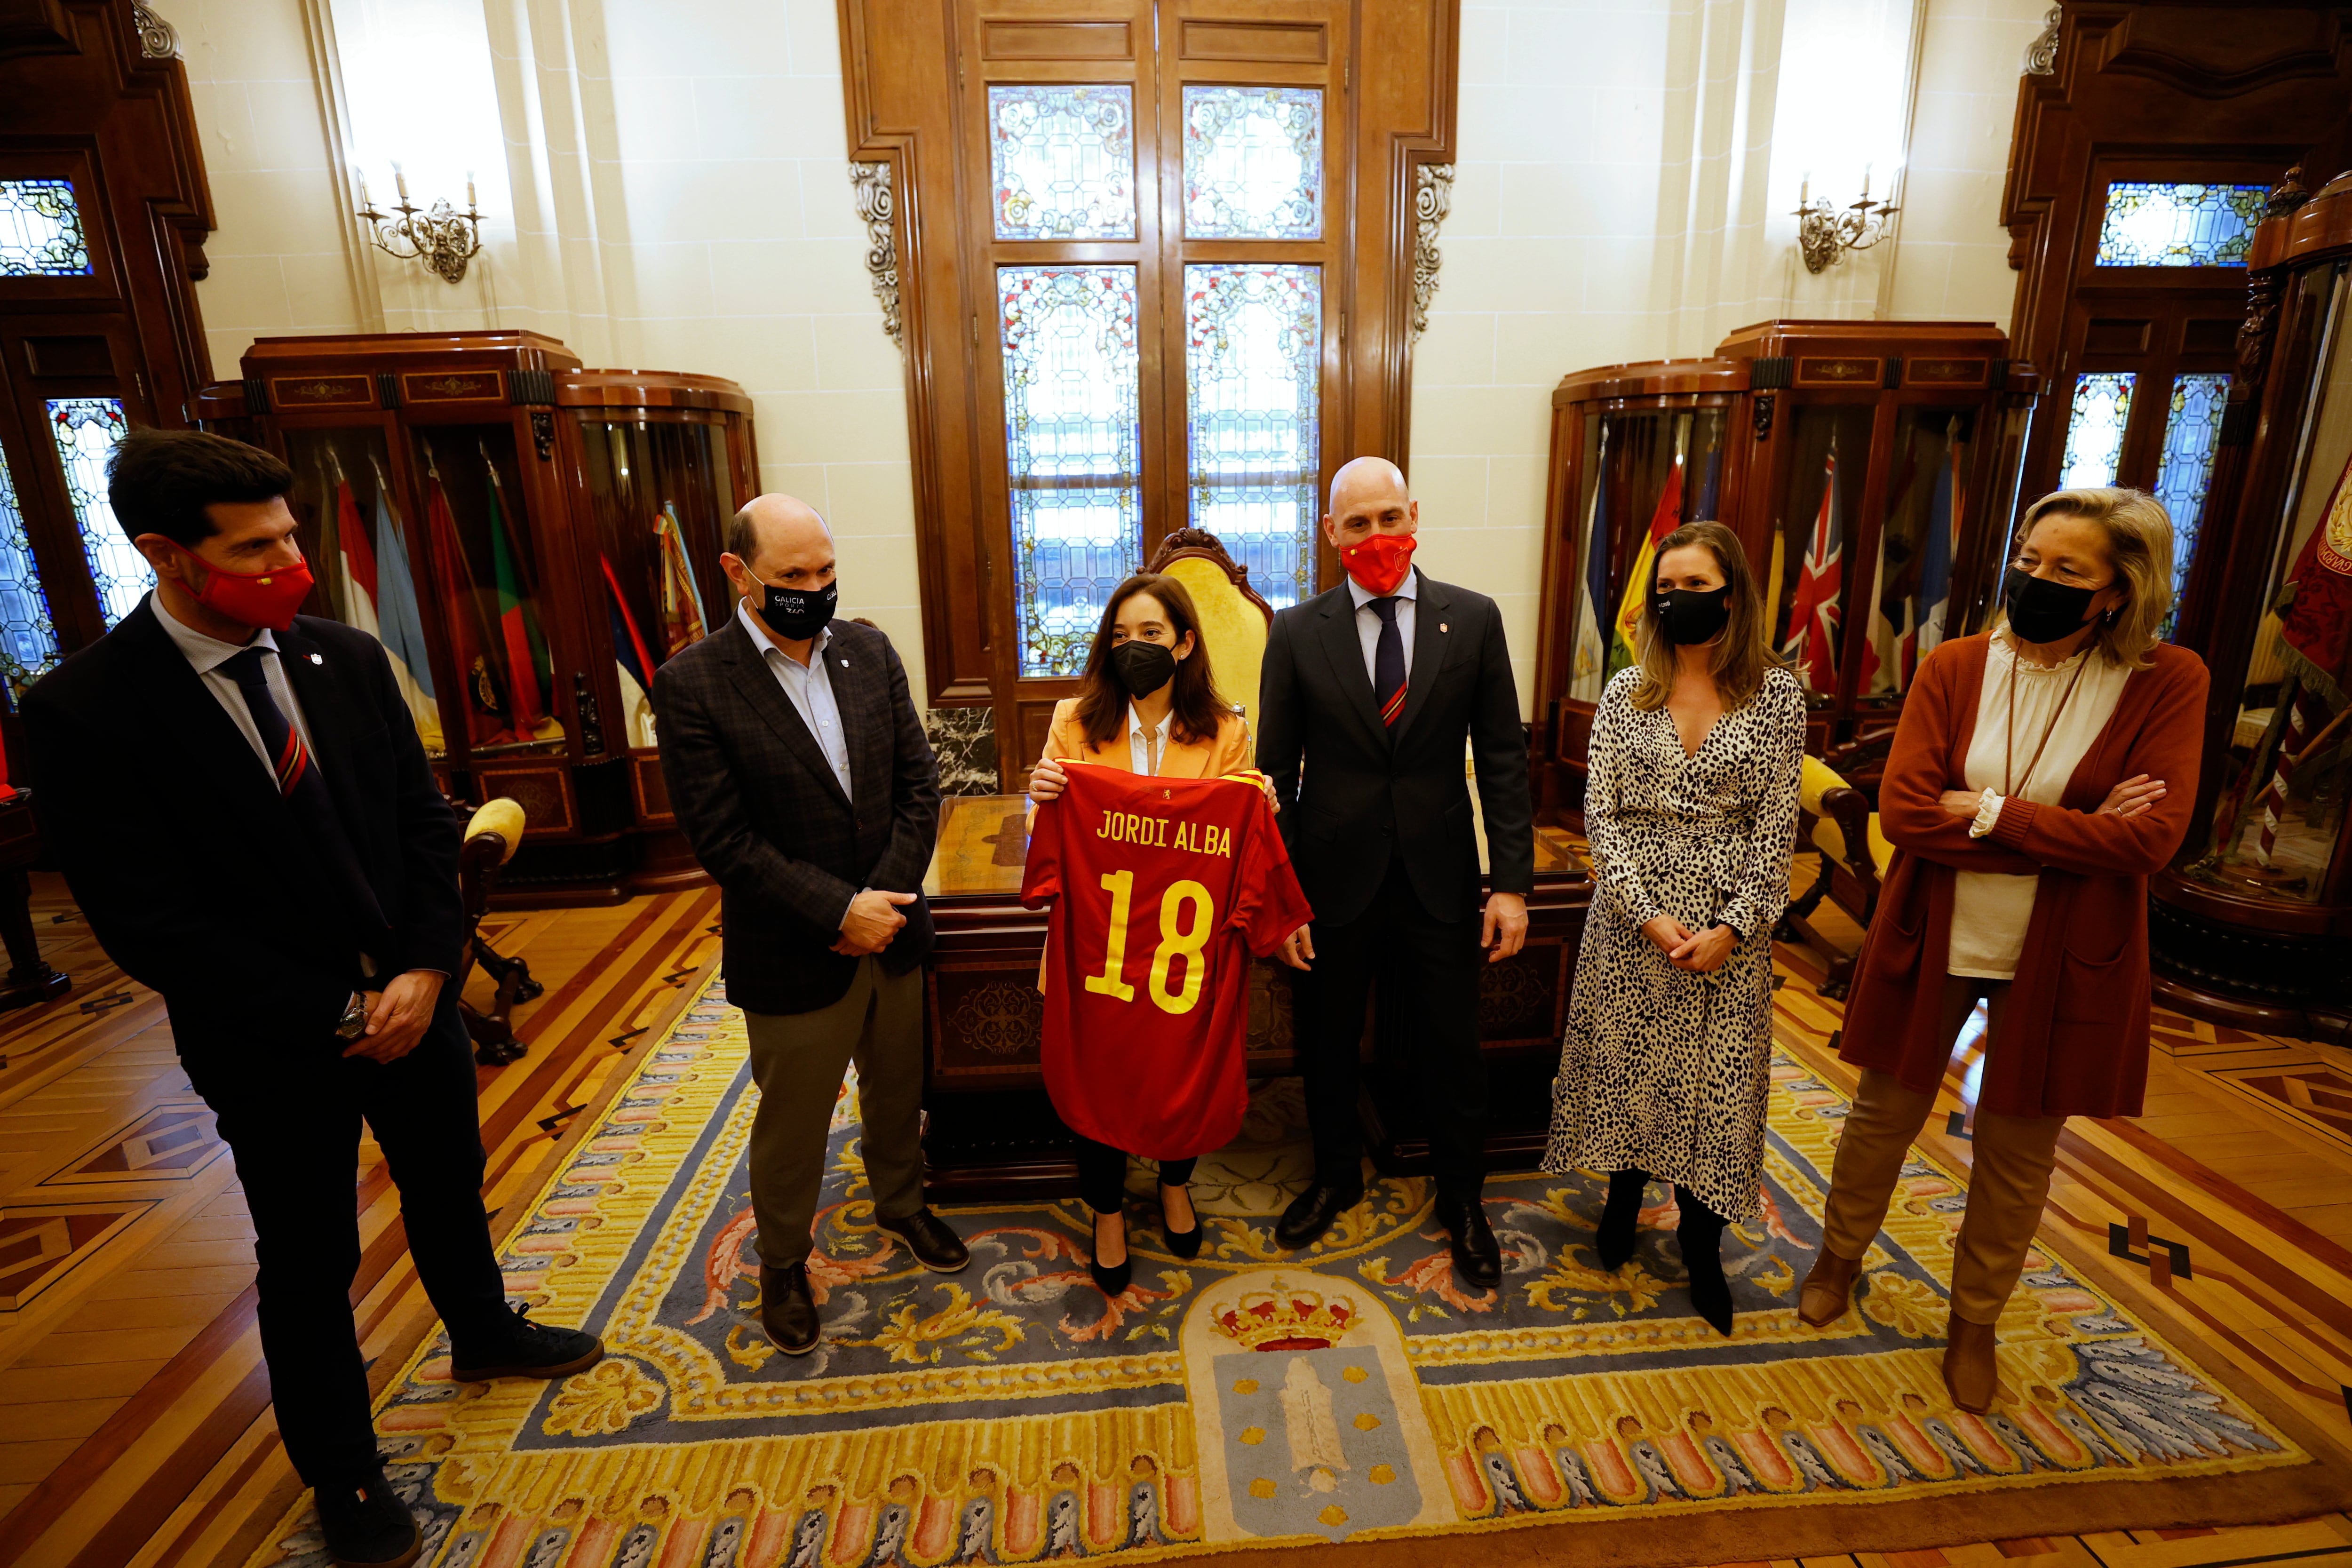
253	598
1380	562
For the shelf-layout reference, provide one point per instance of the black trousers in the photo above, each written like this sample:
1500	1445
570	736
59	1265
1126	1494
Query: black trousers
1428	972
1102	1173
290	1111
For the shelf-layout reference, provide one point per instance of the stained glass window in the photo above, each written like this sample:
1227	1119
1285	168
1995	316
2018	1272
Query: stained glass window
1253	163
87	429
1073	435
2191	430
2179	226
28	643
2094	431
1064	159
40	230
1253	356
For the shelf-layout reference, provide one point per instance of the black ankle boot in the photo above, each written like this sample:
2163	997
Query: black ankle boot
1614	1240
1700	1233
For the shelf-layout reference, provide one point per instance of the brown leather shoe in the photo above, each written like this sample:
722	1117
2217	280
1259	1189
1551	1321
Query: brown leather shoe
1971	1376
1829	1289
787	1309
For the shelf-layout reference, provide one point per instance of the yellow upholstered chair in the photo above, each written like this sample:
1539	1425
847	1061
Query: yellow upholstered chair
1836	821
1233	617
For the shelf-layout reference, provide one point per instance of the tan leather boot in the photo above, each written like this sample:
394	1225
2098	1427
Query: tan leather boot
1829	1289
1971	1376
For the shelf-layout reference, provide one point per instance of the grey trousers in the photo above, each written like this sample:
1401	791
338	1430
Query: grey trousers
797	1060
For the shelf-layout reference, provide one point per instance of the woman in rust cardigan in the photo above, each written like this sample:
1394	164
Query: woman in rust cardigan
2040	772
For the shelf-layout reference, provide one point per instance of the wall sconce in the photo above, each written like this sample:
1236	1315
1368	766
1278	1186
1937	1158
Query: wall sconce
1824	233
442	237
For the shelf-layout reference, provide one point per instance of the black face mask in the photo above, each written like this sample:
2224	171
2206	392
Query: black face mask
794	615
2041	611
1143	668
1692	617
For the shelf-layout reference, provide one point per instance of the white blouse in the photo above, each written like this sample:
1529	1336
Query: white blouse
1991	910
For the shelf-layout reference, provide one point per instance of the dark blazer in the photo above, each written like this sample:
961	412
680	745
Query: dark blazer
766	818
1370	792
189	864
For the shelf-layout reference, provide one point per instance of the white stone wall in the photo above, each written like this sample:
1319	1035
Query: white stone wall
672	192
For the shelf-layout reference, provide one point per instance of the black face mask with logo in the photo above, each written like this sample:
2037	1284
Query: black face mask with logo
1142	667
1692	618
2041	611
793	615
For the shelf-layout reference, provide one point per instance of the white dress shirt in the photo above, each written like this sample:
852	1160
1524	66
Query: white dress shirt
810	687
208	655
1368	622
1146	749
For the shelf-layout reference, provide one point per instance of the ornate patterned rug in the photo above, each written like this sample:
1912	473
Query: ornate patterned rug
1350	1395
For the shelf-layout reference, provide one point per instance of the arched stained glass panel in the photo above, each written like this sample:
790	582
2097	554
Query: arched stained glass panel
28	642
87	430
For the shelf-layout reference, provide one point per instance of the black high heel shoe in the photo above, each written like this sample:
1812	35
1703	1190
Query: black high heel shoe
1615	1239
1112	1281
1182	1243
1700	1232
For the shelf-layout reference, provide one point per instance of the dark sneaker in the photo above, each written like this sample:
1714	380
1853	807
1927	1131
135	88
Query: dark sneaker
927	1236
367	1525
527	1350
788	1309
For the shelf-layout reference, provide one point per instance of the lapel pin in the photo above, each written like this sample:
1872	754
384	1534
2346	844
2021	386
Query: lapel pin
1441	625
317	659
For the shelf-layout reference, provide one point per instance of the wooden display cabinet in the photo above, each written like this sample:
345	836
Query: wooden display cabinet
2253	925
1903	439
530	541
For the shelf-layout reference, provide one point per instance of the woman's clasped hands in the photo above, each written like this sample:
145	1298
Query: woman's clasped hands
1702	953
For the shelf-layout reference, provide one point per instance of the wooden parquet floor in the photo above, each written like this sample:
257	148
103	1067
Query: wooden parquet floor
135	1419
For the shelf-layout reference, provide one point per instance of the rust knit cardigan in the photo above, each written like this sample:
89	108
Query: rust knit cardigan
2075	1028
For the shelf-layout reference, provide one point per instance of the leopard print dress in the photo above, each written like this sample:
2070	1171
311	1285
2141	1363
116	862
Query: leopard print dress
1664	1069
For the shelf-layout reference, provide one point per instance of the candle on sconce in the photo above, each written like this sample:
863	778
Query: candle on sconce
469	190
1805	192
400	179
362	174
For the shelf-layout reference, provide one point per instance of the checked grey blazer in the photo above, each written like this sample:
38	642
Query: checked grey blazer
766	818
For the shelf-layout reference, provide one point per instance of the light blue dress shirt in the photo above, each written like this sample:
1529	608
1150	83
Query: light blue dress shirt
810	689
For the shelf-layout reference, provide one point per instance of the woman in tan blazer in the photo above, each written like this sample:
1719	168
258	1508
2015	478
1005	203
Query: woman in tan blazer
1148	706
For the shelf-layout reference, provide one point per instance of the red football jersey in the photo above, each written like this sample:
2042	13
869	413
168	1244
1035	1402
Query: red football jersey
1161	890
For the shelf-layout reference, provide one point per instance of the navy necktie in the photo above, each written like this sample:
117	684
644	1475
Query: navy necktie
1387	663
305	792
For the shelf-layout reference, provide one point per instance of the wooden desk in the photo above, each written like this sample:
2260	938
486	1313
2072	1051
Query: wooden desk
990	1132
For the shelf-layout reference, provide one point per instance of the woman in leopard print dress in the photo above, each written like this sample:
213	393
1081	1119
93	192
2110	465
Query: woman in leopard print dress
1691	808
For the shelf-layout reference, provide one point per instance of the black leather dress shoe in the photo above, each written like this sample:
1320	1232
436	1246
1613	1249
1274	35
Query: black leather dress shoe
787	1309
527	1350
365	1523
927	1236
1477	1257
1310	1214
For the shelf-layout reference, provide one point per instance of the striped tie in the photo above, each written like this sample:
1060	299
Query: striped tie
289	758
1387	664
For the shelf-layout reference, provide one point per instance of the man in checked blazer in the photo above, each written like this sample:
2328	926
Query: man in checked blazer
799	772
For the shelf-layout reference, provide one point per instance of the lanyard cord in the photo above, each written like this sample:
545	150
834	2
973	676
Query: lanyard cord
2008	757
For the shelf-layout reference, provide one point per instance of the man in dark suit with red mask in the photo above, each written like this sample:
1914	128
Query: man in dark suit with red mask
239	802
1369	691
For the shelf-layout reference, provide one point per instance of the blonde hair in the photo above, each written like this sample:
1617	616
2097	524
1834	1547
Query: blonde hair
2139	547
1741	655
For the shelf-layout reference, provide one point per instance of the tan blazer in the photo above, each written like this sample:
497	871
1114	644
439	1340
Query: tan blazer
1228	752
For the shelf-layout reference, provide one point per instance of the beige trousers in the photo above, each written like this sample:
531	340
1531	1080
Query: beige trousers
798	1059
2013	1156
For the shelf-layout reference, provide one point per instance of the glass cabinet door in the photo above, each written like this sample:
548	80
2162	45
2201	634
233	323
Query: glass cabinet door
661	499
482	561
28	637
1907	588
361	552
2278	820
1647	472
1804	599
